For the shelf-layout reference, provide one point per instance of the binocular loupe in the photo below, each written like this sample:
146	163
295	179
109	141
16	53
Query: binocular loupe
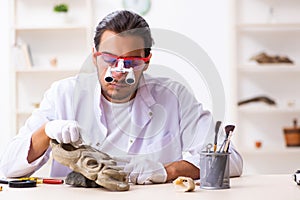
120	68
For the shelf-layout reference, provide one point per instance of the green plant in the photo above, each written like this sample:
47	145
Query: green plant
61	8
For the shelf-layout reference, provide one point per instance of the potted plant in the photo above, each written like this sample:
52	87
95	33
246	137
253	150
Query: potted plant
61	11
61	8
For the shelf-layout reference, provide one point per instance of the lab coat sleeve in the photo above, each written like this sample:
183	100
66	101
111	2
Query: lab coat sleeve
197	130
236	162
14	162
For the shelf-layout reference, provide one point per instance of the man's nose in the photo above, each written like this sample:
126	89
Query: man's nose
119	75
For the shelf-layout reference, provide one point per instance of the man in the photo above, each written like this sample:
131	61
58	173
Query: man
121	111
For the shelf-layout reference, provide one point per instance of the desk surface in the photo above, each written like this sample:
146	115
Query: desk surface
281	187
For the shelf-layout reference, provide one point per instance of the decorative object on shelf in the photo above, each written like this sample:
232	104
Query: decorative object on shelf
291	103
53	62
142	7
27	53
18	57
264	99
264	58
36	104
258	144
61	13
22	55
61	8
292	135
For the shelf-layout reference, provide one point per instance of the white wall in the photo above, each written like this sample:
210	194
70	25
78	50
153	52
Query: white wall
206	22
5	72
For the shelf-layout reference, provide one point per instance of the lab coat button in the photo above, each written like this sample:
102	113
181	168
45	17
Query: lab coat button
131	141
150	114
98	144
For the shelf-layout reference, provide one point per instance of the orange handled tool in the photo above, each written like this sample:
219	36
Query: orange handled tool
44	180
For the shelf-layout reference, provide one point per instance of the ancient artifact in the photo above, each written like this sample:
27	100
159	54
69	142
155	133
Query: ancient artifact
292	135
263	58
264	99
92	164
53	62
185	184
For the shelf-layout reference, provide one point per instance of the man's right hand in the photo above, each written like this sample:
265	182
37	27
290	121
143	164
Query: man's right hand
63	131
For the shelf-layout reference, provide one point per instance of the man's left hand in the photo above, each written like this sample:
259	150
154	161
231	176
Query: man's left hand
142	171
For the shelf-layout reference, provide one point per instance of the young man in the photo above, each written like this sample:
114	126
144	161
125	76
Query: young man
120	111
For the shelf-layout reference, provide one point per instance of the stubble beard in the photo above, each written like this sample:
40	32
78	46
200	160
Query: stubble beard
118	95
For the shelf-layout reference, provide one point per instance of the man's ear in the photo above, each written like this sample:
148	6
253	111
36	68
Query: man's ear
147	65
94	57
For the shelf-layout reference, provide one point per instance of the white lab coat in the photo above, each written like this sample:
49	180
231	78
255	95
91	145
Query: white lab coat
166	121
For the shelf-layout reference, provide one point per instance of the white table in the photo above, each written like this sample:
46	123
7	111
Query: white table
275	187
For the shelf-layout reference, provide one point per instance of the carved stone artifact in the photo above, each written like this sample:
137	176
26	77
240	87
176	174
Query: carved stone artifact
263	58
92	164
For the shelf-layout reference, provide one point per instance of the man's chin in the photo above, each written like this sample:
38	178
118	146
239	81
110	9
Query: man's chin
118	98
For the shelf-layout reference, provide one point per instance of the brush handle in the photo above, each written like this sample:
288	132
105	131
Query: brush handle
217	128
227	142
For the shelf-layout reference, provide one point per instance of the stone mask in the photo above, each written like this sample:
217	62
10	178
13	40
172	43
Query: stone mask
91	163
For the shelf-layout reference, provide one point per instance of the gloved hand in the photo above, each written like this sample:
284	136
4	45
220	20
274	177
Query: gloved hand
143	171
63	131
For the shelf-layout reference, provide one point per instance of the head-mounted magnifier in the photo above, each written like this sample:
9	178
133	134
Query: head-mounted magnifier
122	65
120	68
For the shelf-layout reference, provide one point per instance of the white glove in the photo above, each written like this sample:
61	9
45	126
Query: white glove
63	131
142	171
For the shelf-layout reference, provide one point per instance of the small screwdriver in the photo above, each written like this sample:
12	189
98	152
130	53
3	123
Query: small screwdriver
43	180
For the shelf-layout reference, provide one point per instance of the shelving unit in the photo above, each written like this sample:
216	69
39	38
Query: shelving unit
269	68
272	27
268	27
58	46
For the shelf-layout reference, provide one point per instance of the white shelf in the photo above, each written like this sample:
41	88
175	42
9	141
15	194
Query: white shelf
269	27
253	109
24	112
269	68
48	70
49	28
278	151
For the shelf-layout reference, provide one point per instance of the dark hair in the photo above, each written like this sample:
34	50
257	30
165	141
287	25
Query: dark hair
128	22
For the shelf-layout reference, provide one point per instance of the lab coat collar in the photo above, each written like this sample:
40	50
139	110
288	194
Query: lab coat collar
141	110
98	99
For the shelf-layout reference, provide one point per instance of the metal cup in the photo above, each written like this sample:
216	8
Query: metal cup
214	170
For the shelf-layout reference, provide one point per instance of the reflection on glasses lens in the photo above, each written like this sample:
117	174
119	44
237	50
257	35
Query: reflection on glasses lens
133	63
108	59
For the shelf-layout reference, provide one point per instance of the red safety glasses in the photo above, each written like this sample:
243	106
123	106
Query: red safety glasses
136	63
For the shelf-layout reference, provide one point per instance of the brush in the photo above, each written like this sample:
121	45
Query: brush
217	127
228	130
